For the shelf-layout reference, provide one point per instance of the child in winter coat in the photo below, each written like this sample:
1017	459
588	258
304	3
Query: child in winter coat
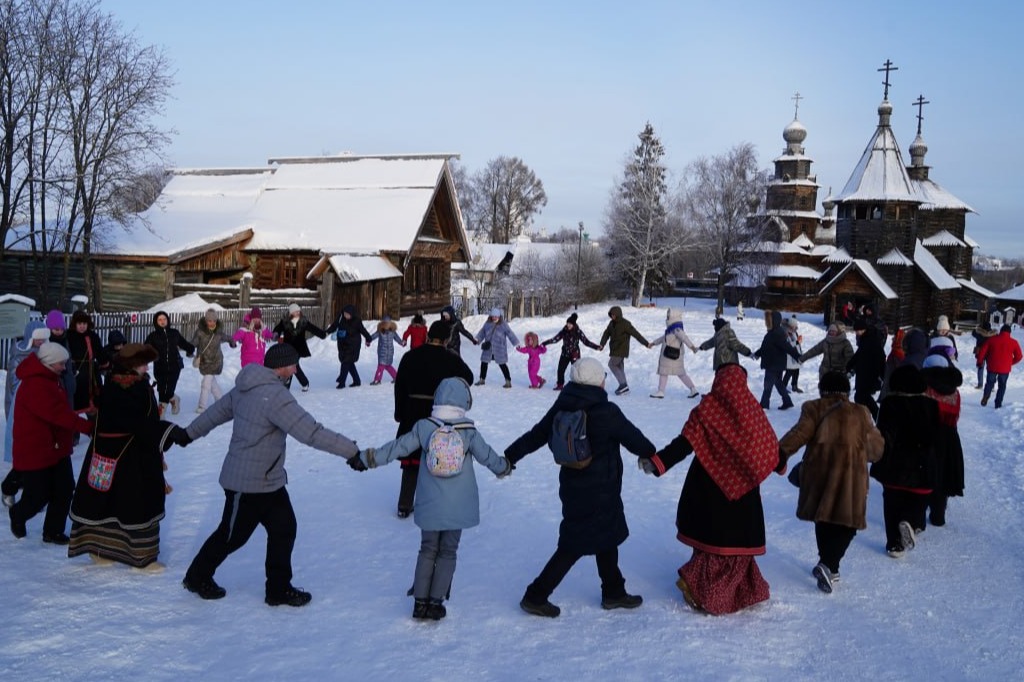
908	419
207	338
571	337
346	331
444	505
493	338
253	337
794	339
670	360
416	332
840	439
534	350
168	342
727	347
386	336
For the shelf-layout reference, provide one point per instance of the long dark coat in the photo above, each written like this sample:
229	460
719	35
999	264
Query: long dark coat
909	421
868	361
128	427
593	518
348	333
85	368
295	334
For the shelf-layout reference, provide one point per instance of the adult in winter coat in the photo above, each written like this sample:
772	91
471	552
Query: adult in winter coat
122	523
445	506
420	372
1000	353
386	337
494	338
670	360
456	330
835	350
840	439
791	377
293	329
618	333
264	414
86	351
571	337
727	347
720	514
44	425
207	338
168	343
981	335
909	421
593	518
773	353
868	365
34	336
253	337
943	380
347	329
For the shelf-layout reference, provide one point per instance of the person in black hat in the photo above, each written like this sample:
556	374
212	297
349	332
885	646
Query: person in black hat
419	373
867	365
727	347
571	337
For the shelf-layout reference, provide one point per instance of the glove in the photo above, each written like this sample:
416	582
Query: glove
179	436
646	465
356	462
756	355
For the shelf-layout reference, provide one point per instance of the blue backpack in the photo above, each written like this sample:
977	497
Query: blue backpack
568	441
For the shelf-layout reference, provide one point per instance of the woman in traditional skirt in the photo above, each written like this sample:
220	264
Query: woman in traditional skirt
122	523
720	514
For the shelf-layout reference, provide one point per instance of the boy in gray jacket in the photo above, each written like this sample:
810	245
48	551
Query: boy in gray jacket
253	476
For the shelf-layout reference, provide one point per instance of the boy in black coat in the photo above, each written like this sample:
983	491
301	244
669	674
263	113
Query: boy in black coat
772	353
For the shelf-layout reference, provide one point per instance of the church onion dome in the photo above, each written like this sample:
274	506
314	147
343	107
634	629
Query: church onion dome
917	151
794	135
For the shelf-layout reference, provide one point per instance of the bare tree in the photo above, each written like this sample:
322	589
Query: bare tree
641	237
720	197
506	196
465	192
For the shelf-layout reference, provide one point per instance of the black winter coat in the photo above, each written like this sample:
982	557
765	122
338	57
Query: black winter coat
86	369
910	425
457	330
593	519
295	334
348	332
868	361
774	346
169	343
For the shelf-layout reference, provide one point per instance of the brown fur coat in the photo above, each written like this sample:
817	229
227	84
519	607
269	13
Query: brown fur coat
841	439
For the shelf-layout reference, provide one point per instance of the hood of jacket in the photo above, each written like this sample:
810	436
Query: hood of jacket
674	315
454	391
615	312
158	314
25	344
776	319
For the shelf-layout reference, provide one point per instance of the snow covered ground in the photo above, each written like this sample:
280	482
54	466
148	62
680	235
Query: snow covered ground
949	610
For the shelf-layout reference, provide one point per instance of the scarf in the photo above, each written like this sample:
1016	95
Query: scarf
730	435
672	327
447	413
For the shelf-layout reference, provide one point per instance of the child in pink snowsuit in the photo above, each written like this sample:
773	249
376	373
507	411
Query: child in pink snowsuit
534	350
253	337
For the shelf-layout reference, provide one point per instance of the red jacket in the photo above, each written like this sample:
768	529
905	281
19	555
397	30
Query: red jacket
1001	351
44	422
418	332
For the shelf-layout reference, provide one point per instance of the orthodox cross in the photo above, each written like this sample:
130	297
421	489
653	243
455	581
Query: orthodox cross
796	109
887	67
920	102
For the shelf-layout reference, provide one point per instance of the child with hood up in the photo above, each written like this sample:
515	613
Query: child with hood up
493	338
386	337
168	343
534	350
444	505
618	332
346	331
670	360
571	337
416	333
253	338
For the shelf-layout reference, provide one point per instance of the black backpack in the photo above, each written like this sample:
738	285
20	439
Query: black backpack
568	441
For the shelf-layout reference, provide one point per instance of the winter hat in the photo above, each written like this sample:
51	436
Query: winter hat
51	353
588	371
136	355
495	312
440	331
294	308
792	323
281	355
34	331
116	338
211	315
943	324
80	316
935	359
40	333
719	323
833	329
571	319
55	320
255	313
942	344
834	383
160	313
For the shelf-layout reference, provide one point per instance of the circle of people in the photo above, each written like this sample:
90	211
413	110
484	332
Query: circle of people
909	442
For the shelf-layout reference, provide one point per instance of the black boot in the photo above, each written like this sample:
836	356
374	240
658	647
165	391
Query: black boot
436	610
421	609
206	589
289	596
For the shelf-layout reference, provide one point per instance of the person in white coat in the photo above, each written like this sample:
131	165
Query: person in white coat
792	374
670	360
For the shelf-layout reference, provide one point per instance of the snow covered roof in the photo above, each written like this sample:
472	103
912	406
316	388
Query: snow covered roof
523	251
1013	293
932	269
803	241
362	267
823	249
18	298
975	287
805	182
189	303
869	273
814	215
880	175
933	196
970	242
840	255
894	257
794	272
943	238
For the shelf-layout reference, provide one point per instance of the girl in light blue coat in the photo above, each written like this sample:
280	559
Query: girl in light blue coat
444	506
493	339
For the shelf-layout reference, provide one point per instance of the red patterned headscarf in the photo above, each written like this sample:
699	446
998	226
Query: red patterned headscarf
731	436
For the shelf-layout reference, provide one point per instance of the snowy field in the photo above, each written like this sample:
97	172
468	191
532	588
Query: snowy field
949	610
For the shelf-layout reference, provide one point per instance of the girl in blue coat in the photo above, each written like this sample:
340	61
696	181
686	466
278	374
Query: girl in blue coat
493	338
444	506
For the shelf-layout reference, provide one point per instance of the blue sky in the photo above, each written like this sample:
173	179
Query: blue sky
567	86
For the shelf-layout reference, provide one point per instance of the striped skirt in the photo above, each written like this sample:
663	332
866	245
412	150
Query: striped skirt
136	546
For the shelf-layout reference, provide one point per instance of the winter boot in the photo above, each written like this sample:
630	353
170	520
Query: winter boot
626	601
421	609
18	529
823	575
56	539
481	382
206	589
508	384
436	610
544	608
289	596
